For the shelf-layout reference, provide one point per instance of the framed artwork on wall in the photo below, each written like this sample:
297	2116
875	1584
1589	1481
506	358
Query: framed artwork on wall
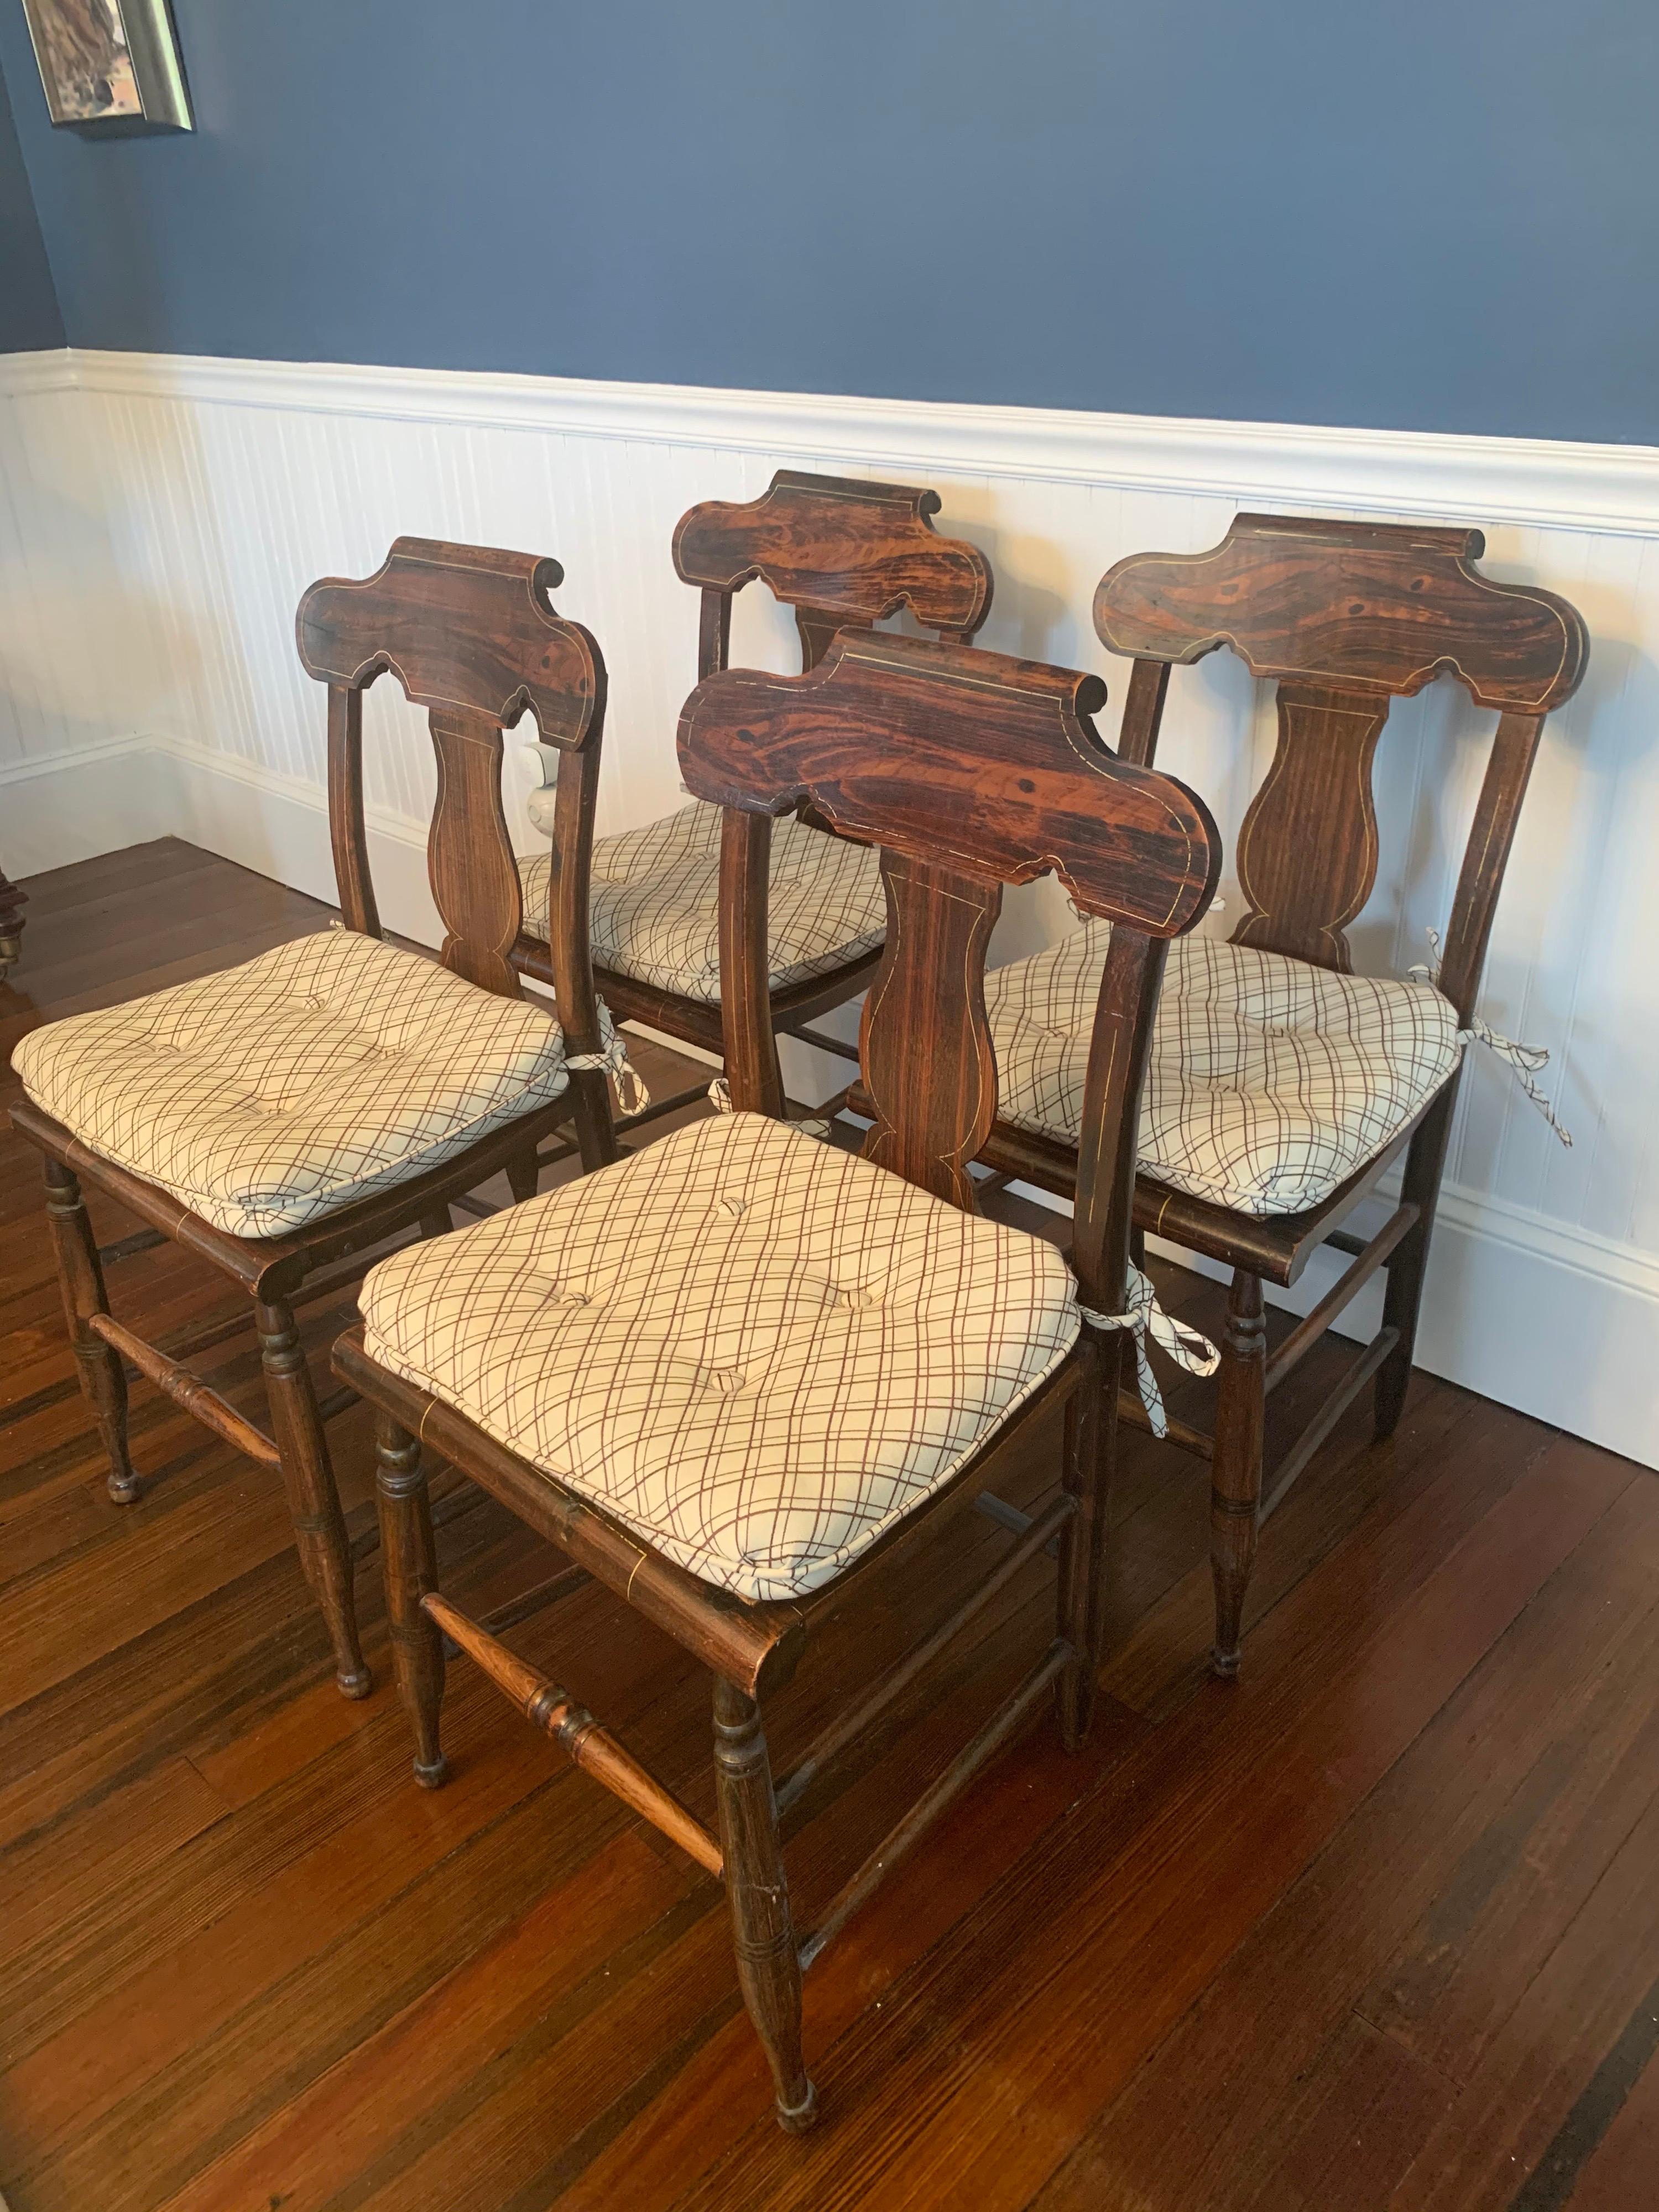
110	61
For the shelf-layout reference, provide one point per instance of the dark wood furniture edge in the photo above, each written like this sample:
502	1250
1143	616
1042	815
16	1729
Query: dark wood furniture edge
278	1268
755	1645
12	903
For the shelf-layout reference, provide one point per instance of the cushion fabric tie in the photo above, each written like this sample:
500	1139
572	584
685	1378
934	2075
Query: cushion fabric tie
1186	1346
1524	1061
612	1059
719	1097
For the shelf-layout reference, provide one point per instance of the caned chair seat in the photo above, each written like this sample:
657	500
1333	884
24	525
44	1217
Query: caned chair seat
755	1351
1270	1080
655	903
325	1071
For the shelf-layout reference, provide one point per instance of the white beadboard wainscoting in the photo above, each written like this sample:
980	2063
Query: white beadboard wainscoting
159	517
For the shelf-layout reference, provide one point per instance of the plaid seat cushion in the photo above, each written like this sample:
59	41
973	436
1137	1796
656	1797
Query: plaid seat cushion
755	1352
1271	1081
655	904
320	1073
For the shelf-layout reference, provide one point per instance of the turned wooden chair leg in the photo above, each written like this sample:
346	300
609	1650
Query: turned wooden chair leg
409	1559
1090	1436
523	1175
1403	1299
1236	1468
313	1502
596	1131
769	1964
437	1221
81	1279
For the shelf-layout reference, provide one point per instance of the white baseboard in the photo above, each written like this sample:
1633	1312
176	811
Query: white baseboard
130	790
58	811
1562	1327
278	827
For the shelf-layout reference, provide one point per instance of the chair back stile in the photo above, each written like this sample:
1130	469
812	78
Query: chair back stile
842	553
1345	617
970	771
471	635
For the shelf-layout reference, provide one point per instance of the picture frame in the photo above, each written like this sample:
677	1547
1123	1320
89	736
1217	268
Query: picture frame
110	64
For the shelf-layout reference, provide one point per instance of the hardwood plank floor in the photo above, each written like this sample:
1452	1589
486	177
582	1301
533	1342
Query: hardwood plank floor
1376	1926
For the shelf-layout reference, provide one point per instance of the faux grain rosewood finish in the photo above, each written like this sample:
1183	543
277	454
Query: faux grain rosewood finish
1275	1246
481	906
86	1302
931	1113
1379	607
695	1020
470	634
839	551
1486	855
548	1706
969	771
1344	616
842	555
465	627
753	1076
970	759
1321	773
275	1268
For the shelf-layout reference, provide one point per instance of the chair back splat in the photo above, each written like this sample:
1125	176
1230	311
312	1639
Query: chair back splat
970	771
1344	616
842	553
471	635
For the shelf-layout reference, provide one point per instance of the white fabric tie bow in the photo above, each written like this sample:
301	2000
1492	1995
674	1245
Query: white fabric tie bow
719	1097
1191	1350
1524	1061
612	1059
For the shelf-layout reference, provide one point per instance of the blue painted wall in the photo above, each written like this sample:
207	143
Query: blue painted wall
1429	214
29	318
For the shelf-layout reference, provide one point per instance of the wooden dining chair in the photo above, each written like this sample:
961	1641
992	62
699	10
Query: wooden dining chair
284	1118
1282	1086
729	1375
842	554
